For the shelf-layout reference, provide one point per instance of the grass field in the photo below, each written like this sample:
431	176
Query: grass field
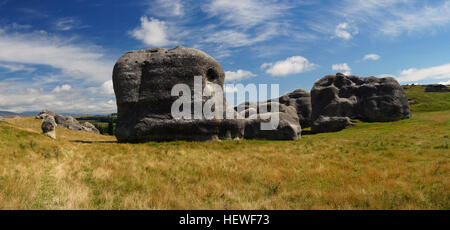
395	165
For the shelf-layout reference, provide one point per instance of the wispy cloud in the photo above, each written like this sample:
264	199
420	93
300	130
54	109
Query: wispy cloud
68	23
16	67
426	18
166	8
245	13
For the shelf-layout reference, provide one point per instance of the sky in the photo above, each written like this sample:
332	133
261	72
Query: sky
59	55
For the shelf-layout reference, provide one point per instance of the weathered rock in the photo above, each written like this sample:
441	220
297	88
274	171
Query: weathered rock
288	127
49	126
143	81
90	128
437	88
301	100
367	99
330	124
68	122
44	113
1	118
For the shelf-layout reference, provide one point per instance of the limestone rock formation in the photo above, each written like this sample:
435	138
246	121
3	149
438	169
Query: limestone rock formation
288	126
301	100
67	122
437	88
368	99
49	126
143	80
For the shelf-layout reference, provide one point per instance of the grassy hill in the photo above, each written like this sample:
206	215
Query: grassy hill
395	165
426	102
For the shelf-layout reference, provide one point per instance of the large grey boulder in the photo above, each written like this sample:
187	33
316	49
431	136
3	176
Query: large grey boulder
369	99
49	126
301	100
143	80
288	126
437	88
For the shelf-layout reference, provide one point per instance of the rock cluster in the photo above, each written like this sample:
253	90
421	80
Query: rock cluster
67	122
369	99
437	88
143	81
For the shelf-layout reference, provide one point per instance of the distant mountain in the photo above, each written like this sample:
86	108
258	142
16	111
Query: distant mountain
34	113
7	113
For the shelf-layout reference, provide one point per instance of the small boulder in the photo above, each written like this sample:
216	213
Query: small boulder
49	126
288	126
330	124
1	118
90	128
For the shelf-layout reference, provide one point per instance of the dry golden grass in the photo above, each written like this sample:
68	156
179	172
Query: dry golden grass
397	165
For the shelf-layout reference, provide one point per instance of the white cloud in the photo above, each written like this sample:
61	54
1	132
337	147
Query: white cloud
373	57
342	67
107	88
345	31
62	88
77	61
16	67
431	73
445	82
238	75
292	65
152	32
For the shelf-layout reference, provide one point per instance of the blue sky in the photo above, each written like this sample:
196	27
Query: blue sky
59	55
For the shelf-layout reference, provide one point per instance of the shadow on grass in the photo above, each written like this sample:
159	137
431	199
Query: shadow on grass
94	142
